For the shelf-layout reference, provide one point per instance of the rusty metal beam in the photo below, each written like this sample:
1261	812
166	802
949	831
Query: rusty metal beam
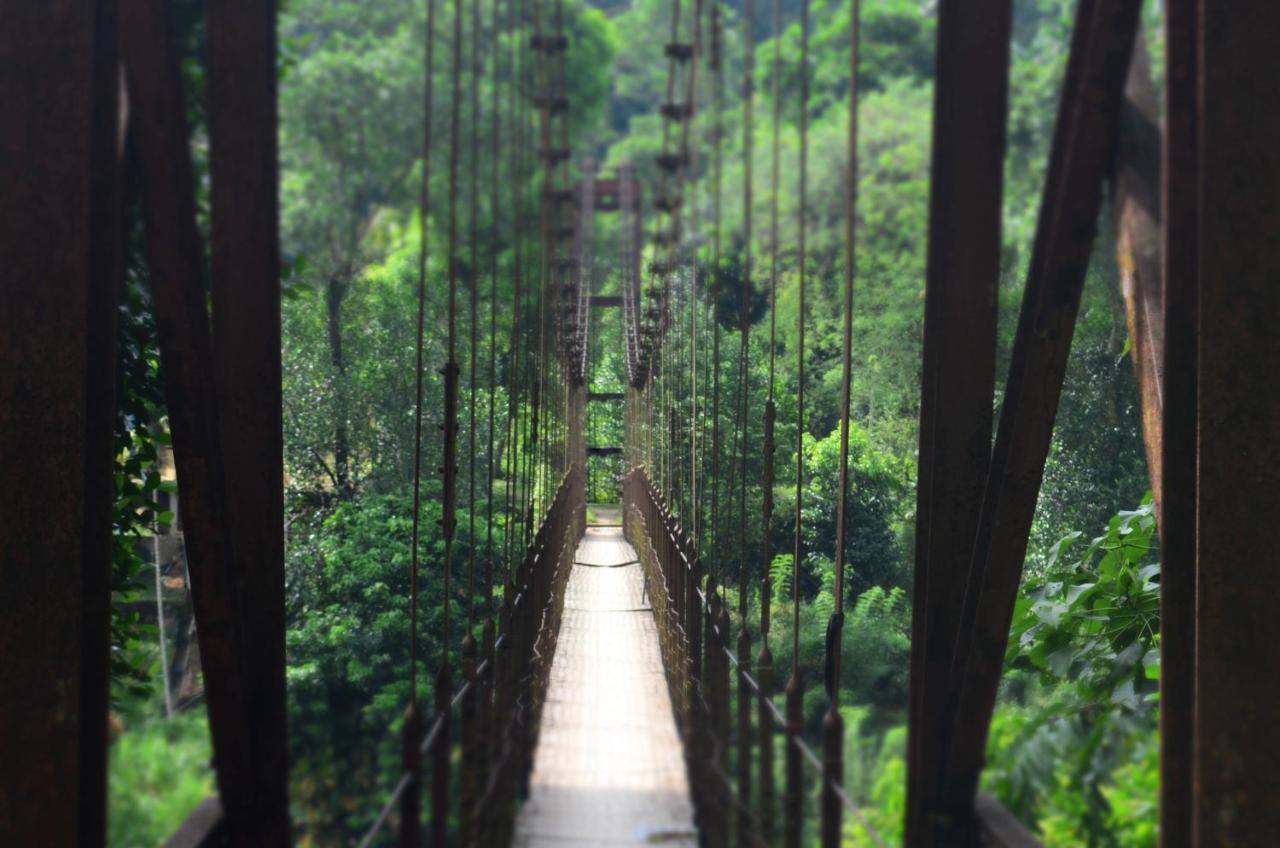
1177	499
1237	747
245	283
1080	161
174	260
206	827
1135	215
60	239
997	827
970	116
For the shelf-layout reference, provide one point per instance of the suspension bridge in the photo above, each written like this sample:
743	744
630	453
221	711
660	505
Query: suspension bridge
611	690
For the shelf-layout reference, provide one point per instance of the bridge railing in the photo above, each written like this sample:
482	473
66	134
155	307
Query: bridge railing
498	707
696	646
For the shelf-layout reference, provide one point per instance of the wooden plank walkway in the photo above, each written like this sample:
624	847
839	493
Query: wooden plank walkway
609	769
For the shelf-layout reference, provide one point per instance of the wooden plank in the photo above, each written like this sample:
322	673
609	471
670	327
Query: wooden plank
604	301
1079	163
593	782
1237	746
1178	425
60	241
959	363
174	259
246	345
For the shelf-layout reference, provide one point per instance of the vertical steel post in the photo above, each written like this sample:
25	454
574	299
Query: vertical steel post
1180	244
61	242
468	784
832	777
742	817
765	729
958	381
440	760
410	835
793	800
1237	748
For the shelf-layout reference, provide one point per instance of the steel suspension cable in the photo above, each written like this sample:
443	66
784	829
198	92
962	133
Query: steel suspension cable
691	131
544	255
770	405
846	377
424	199
514	361
801	220
794	702
451	366
833	723
744	378
717	180
494	216
748	132
473	202
764	660
444	683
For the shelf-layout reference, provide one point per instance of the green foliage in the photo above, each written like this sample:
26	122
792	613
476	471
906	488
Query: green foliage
1093	622
159	772
138	434
877	499
1070	746
348	641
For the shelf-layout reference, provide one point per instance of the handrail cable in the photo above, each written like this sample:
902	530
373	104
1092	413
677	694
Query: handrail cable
805	751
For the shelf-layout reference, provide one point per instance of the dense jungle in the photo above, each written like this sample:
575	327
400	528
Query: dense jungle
1074	746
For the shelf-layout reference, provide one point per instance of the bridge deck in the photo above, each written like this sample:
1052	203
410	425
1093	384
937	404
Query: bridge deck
609	769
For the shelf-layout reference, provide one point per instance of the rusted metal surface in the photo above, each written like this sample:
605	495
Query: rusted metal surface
1237	748
832	778
469	790
765	808
793	789
206	827
61	246
745	740
174	260
959	366
410	832
997	828
106	270
245	284
1135	215
1079	162
1178	476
